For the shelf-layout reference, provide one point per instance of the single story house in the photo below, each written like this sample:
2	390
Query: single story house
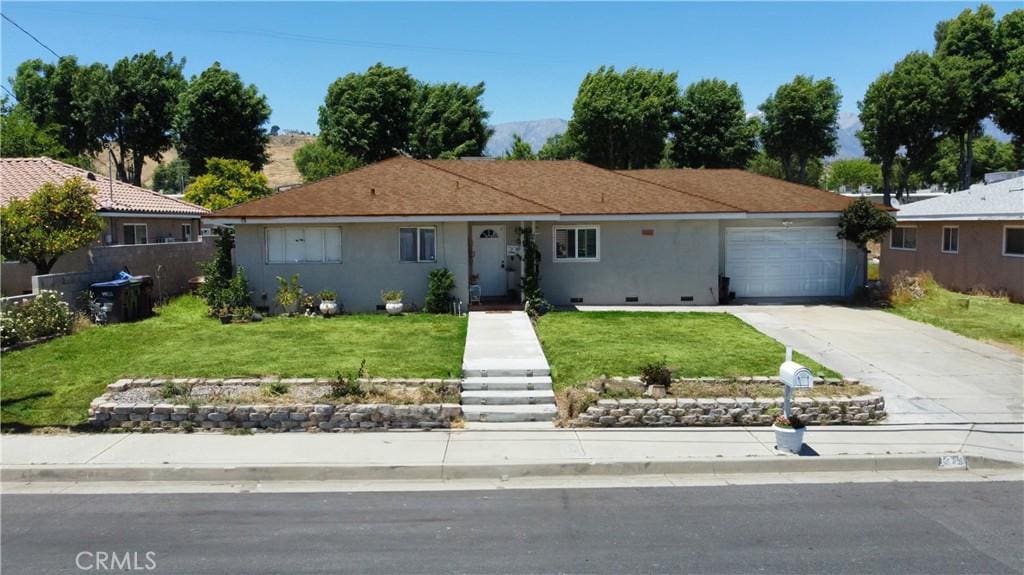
634	237
146	231
968	240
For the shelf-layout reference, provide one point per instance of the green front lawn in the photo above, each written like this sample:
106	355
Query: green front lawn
53	383
993	319
585	345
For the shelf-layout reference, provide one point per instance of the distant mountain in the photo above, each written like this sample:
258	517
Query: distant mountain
535	132
849	145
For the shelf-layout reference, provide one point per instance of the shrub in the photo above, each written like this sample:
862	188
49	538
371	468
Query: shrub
656	373
349	386
327	295
170	390
43	316
242	314
391	295
905	288
441	281
223	287
276	389
289	291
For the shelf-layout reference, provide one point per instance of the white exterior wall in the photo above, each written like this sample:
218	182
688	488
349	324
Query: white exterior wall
369	263
679	260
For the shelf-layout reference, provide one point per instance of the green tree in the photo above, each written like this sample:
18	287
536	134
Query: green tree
143	93
800	124
965	48
171	177
22	138
57	100
766	165
863	222
990	155
53	221
317	161
558	147
519	150
712	129
448	121
881	133
218	116
368	116
920	101
1009	87
621	120
226	182
853	173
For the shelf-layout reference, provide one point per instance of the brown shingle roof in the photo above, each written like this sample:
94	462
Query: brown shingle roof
21	177
406	187
746	190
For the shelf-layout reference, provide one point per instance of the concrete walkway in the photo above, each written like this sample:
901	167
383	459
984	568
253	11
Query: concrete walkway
927	374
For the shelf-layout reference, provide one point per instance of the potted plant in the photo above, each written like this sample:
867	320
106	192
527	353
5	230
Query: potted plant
328	302
309	307
789	433
288	293
392	301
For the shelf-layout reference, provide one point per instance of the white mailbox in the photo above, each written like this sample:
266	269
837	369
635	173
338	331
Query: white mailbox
795	375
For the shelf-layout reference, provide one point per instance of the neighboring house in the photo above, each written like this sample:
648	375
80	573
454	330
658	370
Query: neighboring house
968	240
147	232
640	237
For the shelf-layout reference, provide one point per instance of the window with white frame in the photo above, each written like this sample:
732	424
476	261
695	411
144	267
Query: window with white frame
1013	241
417	244
293	244
903	238
133	234
186	232
577	243
950	239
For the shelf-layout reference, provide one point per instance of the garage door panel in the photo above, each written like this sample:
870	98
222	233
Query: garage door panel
784	262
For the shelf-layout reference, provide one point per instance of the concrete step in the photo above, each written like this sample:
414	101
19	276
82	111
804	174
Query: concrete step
504	413
509	397
505	383
505	368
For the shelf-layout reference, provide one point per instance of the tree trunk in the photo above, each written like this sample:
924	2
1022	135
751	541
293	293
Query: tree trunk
961	165
803	170
887	183
787	167
965	179
138	160
43	266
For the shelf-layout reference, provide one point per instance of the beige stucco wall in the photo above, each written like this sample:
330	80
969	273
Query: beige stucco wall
370	263
979	263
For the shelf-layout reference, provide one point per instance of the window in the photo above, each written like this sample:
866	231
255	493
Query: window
186	232
576	244
303	245
903	238
950	239
1013	241
417	244
135	234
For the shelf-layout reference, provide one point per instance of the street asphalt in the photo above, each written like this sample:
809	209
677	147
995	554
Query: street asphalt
914	528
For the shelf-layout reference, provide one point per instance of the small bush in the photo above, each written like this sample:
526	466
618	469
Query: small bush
170	390
349	386
441	282
242	314
276	389
43	316
572	402
905	288
656	373
388	296
289	292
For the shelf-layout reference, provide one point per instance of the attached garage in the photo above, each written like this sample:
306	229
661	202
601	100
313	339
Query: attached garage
784	262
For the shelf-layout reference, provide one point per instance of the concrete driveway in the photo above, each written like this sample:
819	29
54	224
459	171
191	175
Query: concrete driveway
927	374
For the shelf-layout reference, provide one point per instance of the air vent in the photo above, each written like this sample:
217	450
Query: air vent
575	300
381	307
632	299
686	298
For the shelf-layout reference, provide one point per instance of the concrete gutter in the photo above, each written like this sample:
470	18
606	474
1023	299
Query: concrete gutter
321	472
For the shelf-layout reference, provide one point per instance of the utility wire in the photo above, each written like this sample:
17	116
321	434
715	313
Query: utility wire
29	34
9	93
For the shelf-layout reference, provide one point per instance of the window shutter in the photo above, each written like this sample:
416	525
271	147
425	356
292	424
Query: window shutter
314	244
294	250
332	244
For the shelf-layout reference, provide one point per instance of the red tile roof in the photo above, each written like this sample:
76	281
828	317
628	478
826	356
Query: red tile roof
20	177
406	187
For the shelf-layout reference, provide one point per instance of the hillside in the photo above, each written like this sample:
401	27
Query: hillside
534	132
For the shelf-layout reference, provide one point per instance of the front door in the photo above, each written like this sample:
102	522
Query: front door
489	260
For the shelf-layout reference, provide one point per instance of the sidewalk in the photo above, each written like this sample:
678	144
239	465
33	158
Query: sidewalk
495	453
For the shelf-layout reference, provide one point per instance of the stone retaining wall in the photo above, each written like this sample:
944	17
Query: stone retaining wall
675	412
107	411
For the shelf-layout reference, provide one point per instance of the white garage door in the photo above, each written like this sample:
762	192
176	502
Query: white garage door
784	262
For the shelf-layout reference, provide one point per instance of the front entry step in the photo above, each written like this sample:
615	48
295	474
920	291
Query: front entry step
505	383
509	413
509	397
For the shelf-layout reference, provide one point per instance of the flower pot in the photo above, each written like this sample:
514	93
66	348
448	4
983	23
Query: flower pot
226	319
393	307
328	308
788	439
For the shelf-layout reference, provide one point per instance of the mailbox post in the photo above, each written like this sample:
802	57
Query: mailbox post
793	376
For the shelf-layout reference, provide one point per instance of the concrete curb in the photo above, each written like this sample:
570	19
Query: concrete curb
318	472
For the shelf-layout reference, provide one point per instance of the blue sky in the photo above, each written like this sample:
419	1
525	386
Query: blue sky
531	56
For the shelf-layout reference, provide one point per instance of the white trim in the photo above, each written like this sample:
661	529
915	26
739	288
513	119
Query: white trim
901	249
1013	227
575	260
417	236
135	233
518	218
158	216
961	217
942	240
190	236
